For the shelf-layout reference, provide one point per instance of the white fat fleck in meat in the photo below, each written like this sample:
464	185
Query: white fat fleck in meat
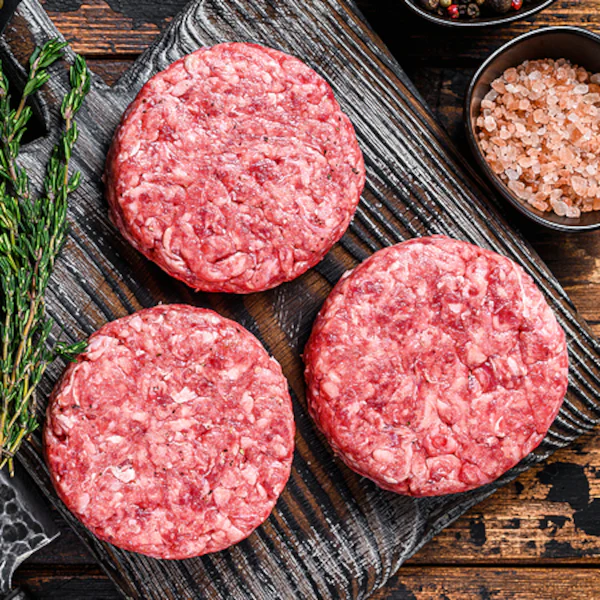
82	503
247	402
185	395
331	389
136	323
222	496
173	257
383	456
98	346
250	474
124	474
474	355
66	422
115	439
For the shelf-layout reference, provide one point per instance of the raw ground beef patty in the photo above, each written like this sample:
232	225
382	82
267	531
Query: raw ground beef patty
435	366
173	434
234	169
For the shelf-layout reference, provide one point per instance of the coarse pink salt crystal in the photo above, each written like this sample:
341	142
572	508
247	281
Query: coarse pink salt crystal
526	161
560	208
489	123
579	185
582	74
524	104
566	155
518	187
537	87
491	95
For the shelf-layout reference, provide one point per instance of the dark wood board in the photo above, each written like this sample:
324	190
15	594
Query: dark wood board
353	533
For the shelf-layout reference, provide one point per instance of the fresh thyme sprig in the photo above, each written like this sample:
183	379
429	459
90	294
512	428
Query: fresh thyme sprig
32	232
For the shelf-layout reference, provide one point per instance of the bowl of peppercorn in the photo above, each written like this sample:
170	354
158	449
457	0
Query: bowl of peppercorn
475	13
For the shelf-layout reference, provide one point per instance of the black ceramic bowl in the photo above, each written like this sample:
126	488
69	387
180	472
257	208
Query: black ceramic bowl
579	46
528	9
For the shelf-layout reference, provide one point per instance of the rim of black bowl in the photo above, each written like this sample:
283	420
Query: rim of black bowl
476	150
479	22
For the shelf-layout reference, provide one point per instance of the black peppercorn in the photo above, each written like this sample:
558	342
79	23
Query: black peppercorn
499	6
473	10
430	4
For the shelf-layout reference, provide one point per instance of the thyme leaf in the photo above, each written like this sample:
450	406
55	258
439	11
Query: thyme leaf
32	232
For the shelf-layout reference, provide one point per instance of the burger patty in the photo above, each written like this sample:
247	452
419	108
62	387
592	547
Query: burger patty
173	433
435	366
234	169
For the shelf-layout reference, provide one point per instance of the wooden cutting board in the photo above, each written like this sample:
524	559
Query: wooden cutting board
333	534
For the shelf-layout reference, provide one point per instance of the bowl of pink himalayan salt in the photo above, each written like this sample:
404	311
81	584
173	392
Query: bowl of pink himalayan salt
533	123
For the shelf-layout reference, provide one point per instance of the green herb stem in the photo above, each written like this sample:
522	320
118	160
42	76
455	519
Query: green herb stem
32	233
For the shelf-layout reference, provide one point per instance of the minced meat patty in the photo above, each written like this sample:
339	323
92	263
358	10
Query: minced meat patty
173	433
435	366
234	169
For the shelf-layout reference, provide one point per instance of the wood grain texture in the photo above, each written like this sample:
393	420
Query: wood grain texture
475	583
333	533
416	583
407	36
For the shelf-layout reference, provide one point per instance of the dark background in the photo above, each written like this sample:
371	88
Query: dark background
539	537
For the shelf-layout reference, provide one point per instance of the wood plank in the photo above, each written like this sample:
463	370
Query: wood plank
99	27
94	28
415	583
84	581
473	583
109	70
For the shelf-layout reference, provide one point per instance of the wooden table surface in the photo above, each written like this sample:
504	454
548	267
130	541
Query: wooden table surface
539	537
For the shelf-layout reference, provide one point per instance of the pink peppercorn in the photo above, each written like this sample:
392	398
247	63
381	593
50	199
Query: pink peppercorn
453	11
